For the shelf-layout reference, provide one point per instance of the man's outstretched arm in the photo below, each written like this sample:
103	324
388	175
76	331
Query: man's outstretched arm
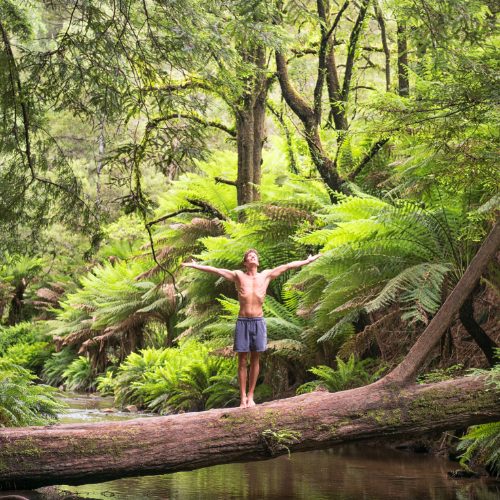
225	273
274	273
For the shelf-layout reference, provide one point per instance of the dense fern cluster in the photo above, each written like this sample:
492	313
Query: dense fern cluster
188	378
22	402
379	253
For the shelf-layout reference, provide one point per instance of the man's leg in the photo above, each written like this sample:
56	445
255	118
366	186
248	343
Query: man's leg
254	374
242	377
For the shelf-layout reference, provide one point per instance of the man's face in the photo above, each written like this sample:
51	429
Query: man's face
252	259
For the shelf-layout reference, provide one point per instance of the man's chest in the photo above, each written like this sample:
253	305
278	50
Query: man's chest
252	285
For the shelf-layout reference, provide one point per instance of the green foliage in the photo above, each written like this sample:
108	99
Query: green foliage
379	253
441	374
193	391
17	271
114	306
187	378
172	77
25	344
25	332
22	402
31	356
55	366
132	373
482	442
280	439
78	376
348	374
106	384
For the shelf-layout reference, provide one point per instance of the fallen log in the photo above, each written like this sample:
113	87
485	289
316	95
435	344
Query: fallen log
86	453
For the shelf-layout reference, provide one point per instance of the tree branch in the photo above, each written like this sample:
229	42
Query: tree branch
351	49
174	214
207	208
323	48
296	102
196	118
220	180
373	151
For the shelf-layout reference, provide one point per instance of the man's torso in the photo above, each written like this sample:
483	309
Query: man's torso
252	291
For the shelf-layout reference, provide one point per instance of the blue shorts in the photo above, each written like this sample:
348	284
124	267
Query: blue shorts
250	335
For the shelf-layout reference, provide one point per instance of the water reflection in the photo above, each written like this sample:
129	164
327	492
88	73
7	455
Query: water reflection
343	473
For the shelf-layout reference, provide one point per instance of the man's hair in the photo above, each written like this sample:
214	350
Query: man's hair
248	252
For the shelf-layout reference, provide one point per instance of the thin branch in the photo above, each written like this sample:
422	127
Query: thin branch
337	19
174	214
351	49
369	156
196	118
207	208
220	180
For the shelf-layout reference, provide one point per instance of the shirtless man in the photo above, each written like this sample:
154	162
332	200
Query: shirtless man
250	333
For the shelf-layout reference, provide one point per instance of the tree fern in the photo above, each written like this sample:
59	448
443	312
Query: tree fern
378	253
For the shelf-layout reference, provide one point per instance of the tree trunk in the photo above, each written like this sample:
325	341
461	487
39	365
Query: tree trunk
325	165
16	304
250	129
383	35
486	345
403	81
337	109
84	453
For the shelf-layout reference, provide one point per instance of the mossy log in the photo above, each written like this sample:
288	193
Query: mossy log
86	453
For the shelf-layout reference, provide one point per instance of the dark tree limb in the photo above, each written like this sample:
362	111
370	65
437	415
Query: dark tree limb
383	35
351	49
323	50
296	102
466	314
207	208
220	180
368	157
174	214
195	118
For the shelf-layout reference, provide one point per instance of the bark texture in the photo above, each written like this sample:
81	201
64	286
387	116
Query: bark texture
338	94
77	454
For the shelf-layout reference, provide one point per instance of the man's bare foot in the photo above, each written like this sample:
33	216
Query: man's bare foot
250	402
243	403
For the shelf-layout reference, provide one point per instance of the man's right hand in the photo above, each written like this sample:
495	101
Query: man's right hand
312	258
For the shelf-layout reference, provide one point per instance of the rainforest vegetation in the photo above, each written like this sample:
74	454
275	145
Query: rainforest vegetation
137	135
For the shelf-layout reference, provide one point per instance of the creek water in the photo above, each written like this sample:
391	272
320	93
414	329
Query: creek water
353	472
